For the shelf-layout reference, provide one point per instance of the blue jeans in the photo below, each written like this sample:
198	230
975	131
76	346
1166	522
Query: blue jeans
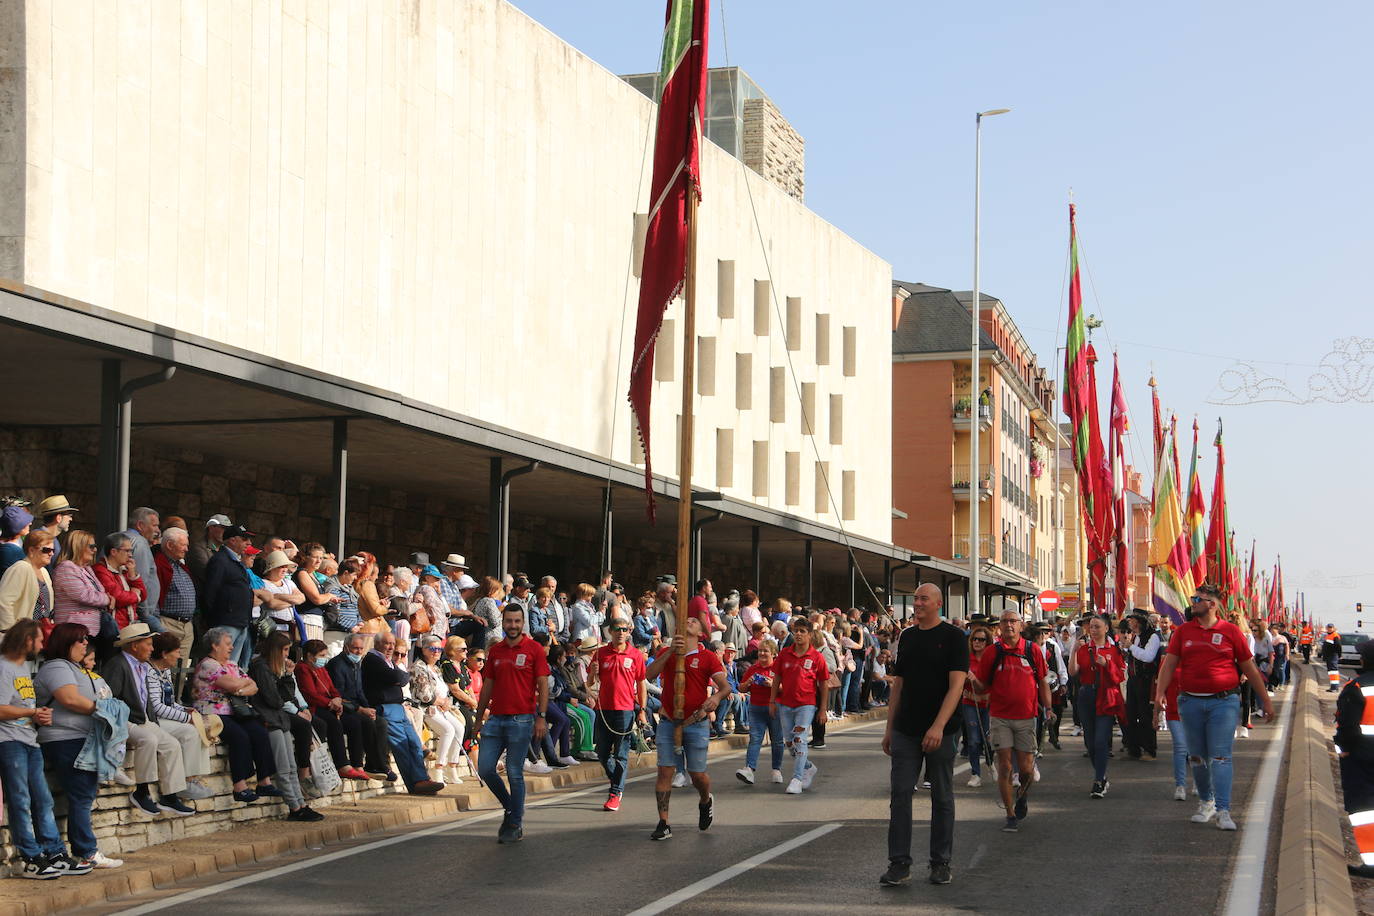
1097	730
1210	724
760	722
838	696
512	735
28	800
242	652
80	787
613	744
405	744
795	723
976	726
732	706
854	689
1180	742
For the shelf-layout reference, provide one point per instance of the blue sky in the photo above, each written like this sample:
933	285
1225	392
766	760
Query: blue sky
1219	154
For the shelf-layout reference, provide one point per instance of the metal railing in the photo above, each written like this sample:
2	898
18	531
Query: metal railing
959	477
961	547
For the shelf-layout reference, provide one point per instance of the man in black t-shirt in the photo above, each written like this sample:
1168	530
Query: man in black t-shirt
927	686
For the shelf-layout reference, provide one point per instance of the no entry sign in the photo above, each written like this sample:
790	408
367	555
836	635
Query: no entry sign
1049	600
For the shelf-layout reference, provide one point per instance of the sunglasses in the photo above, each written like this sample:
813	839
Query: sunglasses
620	629
46	550
432	649
979	639
1199	599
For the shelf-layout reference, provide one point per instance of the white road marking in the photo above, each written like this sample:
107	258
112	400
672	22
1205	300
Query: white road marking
1247	877
977	856
234	883
734	871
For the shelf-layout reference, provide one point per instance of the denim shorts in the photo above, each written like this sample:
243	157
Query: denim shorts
696	738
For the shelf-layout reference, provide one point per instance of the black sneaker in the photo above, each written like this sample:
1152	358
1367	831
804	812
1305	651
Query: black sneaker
662	832
173	805
69	867
142	802
940	874
38	868
819	747
706	813
510	832
1100	788
896	875
1022	807
1011	826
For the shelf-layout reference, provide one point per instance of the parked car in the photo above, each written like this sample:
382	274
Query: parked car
1349	656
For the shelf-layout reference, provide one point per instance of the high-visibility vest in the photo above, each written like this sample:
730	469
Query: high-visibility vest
1305	638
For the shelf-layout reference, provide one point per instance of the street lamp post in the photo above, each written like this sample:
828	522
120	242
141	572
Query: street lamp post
975	478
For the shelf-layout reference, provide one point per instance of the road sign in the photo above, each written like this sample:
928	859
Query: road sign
1049	600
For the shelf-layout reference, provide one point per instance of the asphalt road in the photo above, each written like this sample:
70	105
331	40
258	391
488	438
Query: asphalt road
1134	851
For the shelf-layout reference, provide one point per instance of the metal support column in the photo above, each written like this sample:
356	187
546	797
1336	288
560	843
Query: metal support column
697	525
853	582
107	475
338	525
503	548
756	555
607	520
809	596
126	425
494	517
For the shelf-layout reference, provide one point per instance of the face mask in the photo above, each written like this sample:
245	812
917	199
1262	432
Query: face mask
355	659
320	661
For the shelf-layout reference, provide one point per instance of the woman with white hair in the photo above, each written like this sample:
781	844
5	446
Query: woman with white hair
431	693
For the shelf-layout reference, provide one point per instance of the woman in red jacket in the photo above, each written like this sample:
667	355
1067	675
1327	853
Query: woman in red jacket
1099	667
329	712
119	577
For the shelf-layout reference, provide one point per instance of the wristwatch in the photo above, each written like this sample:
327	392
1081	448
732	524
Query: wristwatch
540	715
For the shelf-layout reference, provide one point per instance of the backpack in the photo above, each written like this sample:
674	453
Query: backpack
1003	652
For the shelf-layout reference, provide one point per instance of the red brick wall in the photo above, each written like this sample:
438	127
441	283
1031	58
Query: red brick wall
922	452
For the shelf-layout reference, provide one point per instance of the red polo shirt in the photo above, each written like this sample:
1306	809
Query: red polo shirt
701	666
1016	688
759	694
799	676
1207	658
618	675
512	672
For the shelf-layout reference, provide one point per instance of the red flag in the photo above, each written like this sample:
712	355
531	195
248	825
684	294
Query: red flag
1103	528
1219	566
1118	424
677	173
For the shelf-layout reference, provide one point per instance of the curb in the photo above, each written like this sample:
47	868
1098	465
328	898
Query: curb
167	867
1311	877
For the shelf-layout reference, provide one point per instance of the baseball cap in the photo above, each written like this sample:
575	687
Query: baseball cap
218	519
237	531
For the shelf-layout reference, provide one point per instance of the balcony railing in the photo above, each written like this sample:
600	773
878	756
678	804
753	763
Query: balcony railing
961	547
964	411
961	484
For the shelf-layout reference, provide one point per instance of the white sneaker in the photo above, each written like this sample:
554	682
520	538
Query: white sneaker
1205	812
777	777
1077	730
569	761
1016	778
975	781
1242	732
538	768
100	860
122	778
794	787
1037	772
679	780
809	775
1180	793
745	775
1224	821
195	789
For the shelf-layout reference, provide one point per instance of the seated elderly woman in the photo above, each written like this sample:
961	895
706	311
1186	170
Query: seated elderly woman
271	671
429	691
221	688
174	718
331	720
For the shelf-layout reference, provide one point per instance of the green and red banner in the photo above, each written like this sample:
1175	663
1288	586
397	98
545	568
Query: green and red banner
677	174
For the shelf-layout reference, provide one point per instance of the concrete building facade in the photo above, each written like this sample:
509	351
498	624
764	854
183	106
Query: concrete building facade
416	224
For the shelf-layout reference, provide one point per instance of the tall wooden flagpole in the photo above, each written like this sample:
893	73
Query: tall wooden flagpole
684	464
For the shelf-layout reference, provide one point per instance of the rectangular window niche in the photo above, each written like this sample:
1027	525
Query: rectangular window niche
744	381
665	352
725	458
761	468
725	289
793	477
763	304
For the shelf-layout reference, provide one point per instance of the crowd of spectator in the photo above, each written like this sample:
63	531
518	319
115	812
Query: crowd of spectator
128	654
